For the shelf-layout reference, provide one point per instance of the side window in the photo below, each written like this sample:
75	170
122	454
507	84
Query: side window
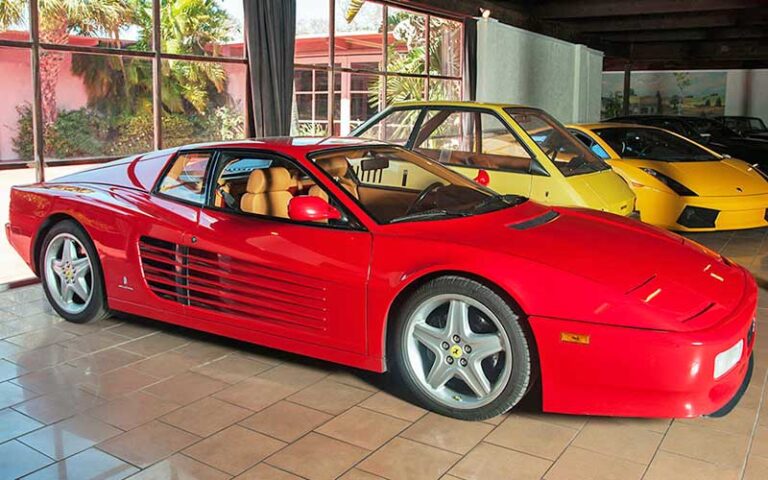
394	128
471	139
261	184
591	144
185	179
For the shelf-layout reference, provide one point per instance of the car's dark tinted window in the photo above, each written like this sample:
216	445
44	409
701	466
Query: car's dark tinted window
652	144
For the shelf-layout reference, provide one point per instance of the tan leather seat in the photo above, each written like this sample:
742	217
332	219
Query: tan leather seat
267	192
337	167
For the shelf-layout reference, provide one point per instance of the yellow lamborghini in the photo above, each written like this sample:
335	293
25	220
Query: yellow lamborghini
511	149
680	184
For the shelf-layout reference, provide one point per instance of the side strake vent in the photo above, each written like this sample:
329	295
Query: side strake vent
214	281
534	222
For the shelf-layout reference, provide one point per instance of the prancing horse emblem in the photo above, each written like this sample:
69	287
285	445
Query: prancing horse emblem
739	189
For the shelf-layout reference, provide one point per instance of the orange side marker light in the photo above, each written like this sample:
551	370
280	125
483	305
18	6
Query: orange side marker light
574	338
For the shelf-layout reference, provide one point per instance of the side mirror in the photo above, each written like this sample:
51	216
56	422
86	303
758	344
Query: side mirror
306	208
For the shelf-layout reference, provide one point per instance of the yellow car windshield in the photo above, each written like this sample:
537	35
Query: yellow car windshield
653	144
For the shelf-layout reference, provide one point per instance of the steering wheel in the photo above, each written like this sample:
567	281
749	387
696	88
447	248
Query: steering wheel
423	195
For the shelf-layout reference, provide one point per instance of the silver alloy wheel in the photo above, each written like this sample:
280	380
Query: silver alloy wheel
459	352
68	273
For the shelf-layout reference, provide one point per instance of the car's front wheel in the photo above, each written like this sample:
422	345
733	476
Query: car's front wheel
461	349
71	274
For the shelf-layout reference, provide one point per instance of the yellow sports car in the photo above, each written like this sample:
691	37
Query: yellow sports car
511	149
680	184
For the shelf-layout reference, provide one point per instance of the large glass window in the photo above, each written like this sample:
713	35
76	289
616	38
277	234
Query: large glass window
378	54
97	104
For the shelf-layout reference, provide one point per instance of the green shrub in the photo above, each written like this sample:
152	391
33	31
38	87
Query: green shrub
76	133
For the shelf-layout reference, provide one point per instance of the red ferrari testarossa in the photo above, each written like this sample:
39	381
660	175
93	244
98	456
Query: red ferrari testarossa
372	256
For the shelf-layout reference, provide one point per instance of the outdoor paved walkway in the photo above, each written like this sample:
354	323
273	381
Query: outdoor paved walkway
131	397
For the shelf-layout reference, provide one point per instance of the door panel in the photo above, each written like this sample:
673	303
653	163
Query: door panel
291	280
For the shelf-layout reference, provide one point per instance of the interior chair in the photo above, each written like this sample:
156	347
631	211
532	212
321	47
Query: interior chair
267	192
338	167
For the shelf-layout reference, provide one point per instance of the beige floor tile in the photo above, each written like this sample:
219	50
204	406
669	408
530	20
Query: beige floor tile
706	444
166	364
317	457
263	471
14	424
204	351
740	420
10	370
537	438
670	466
17	460
330	397
286	421
756	469
364	428
356	378
95	342
404	459
614	438
579	464
255	393
447	433
181	467
40	338
294	375
488	461
69	437
90	464
106	361
357	474
186	388
44	357
232	368
53	379
132	410
117	383
576	422
386	403
12	394
234	450
154	344
134	329
57	406
206	416
760	441
148	443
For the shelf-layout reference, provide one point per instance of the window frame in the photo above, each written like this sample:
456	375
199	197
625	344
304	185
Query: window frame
155	191
352	224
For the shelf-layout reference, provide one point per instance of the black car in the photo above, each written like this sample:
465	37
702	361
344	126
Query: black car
708	132
752	127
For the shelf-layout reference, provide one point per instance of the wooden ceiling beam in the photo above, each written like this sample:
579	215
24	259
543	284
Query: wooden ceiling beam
568	9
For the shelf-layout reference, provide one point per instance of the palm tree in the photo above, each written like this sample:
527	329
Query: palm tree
59	19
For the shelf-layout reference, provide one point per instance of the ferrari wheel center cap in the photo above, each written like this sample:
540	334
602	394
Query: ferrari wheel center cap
456	351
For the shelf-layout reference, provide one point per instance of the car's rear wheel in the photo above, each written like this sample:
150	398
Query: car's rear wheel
461	349
71	274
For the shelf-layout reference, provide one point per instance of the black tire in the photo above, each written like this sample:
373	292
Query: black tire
96	308
521	342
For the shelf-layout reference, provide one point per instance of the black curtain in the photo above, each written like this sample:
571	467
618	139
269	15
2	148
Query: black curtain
270	31
470	59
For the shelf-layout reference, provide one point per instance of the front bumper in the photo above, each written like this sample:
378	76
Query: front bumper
642	373
732	213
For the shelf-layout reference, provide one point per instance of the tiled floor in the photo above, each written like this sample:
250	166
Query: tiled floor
127	397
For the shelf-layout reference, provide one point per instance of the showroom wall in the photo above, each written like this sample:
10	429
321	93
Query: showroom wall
518	66
745	93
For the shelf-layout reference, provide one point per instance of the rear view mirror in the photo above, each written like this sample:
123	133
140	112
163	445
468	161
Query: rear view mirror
306	208
374	163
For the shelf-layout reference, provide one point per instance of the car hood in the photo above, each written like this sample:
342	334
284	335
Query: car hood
725	178
599	267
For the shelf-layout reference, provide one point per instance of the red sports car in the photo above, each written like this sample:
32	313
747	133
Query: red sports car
368	255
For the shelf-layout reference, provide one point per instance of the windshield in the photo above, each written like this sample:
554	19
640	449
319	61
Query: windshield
712	127
653	144
395	185
569	155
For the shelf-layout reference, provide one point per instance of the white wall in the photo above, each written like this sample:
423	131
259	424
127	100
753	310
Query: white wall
522	67
746	93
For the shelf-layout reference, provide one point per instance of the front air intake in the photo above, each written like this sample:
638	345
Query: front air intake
698	217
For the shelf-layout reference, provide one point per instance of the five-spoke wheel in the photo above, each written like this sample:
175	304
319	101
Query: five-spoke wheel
461	349
71	274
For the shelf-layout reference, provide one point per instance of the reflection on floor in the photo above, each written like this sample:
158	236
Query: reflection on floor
129	397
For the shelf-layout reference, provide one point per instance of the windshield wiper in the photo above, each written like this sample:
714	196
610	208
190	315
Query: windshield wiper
508	199
427	214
